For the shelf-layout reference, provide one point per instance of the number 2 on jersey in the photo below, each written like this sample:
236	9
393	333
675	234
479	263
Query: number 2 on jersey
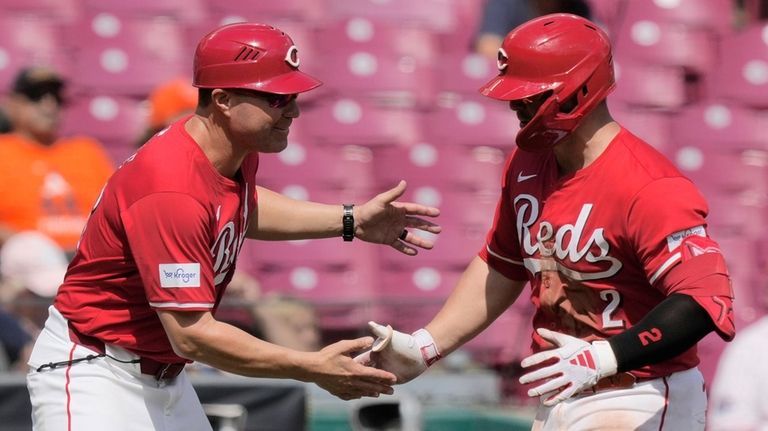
614	299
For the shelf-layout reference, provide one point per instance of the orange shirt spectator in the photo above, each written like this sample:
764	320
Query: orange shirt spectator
49	184
51	189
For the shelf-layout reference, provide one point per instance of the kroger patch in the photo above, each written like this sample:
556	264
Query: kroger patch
179	275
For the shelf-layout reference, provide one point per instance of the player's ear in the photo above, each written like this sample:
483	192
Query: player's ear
222	101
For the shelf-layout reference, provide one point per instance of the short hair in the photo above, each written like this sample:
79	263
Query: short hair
204	97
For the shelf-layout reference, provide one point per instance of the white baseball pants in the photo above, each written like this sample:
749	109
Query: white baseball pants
675	403
103	394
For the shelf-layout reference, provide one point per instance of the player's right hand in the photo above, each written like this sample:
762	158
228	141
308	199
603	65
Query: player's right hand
336	372
404	355
578	365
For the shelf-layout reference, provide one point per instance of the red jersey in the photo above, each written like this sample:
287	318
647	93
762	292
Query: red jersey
595	244
164	234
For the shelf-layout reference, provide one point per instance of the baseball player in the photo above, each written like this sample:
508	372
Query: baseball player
139	297
624	276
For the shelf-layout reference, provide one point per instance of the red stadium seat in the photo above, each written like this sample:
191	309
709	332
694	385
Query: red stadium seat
407	297
741	74
654	126
329	167
724	170
378	37
712	15
744	257
348	120
118	122
464	217
342	294
464	73
376	58
185	11
60	11
26	41
329	252
649	85
738	214
467	168
721	125
472	120
653	41
460	38
128	56
397	81
434	15
606	12
416	282
269	11
508	338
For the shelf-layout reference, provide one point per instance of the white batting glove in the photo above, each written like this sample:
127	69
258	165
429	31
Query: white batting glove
406	356
579	366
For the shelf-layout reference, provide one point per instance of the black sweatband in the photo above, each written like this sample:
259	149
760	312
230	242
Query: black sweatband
671	328
348	223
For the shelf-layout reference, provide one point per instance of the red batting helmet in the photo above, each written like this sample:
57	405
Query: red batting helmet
564	54
253	56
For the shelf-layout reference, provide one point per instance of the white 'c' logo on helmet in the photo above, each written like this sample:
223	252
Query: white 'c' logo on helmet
292	56
502	59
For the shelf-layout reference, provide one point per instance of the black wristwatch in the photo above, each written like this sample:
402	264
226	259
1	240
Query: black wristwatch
348	223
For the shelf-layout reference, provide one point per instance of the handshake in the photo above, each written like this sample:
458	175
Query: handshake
404	355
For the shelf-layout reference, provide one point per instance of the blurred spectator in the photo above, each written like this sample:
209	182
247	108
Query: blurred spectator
501	16
279	319
15	344
738	402
243	288
49	183
168	102
32	267
289	322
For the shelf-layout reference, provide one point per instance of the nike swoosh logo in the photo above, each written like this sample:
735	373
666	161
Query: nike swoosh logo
521	177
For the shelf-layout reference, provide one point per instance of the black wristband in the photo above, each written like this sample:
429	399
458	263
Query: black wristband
348	223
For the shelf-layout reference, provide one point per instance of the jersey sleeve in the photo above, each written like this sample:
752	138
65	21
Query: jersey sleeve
169	238
502	245
667	224
661	217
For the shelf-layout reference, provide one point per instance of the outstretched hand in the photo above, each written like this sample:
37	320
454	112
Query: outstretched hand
382	220
347	379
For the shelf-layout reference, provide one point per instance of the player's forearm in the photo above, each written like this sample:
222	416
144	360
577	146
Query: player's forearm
279	217
480	297
671	328
233	350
